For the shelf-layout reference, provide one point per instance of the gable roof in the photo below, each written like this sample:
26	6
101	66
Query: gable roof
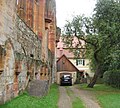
64	64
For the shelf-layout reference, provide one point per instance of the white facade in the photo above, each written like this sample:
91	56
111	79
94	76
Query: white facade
82	66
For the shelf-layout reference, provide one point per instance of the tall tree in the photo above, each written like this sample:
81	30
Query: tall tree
107	20
101	33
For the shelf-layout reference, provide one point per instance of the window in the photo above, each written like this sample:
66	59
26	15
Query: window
80	62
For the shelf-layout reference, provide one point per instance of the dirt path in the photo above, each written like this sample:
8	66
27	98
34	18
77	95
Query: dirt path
64	100
87	97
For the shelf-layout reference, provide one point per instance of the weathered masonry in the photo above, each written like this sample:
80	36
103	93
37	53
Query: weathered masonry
27	44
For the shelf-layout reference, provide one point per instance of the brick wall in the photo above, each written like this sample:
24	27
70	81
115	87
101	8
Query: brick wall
23	54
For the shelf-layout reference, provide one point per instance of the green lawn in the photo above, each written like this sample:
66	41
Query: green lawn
76	102
26	101
107	96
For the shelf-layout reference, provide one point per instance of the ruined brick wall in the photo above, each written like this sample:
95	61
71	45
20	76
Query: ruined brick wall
20	52
52	38
50	16
24	56
7	29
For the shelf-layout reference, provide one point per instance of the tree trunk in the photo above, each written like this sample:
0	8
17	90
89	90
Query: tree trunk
95	77
97	72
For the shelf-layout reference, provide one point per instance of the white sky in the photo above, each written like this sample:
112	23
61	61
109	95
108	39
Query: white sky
67	8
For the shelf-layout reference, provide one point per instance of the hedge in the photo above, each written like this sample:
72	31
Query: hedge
112	78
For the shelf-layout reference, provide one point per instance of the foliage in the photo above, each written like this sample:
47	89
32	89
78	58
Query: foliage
101	34
26	101
84	29
108	13
106	20
112	78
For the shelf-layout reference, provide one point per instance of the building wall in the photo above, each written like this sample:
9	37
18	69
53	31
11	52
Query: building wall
85	68
51	13
64	65
24	53
61	49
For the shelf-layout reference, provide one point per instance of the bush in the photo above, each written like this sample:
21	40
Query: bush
112	78
100	81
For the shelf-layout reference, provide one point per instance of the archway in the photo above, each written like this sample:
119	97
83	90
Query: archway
8	73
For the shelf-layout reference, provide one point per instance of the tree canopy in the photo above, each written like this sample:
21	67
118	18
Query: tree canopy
101	33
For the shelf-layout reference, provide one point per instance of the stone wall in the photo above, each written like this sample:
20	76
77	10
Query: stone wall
7	33
20	52
29	41
24	56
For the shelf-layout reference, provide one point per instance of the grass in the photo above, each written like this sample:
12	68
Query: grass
107	96
110	100
26	101
76	102
69	92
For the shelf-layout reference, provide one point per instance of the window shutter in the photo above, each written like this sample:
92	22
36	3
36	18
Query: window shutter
83	62
76	61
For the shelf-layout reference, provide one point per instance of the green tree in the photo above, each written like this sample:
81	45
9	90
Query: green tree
101	34
107	20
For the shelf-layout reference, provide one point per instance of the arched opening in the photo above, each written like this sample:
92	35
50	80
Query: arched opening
2	59
9	69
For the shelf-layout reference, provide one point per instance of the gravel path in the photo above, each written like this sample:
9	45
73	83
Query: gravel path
87	97
64	100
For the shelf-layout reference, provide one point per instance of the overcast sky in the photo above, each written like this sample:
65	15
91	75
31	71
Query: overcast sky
67	8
